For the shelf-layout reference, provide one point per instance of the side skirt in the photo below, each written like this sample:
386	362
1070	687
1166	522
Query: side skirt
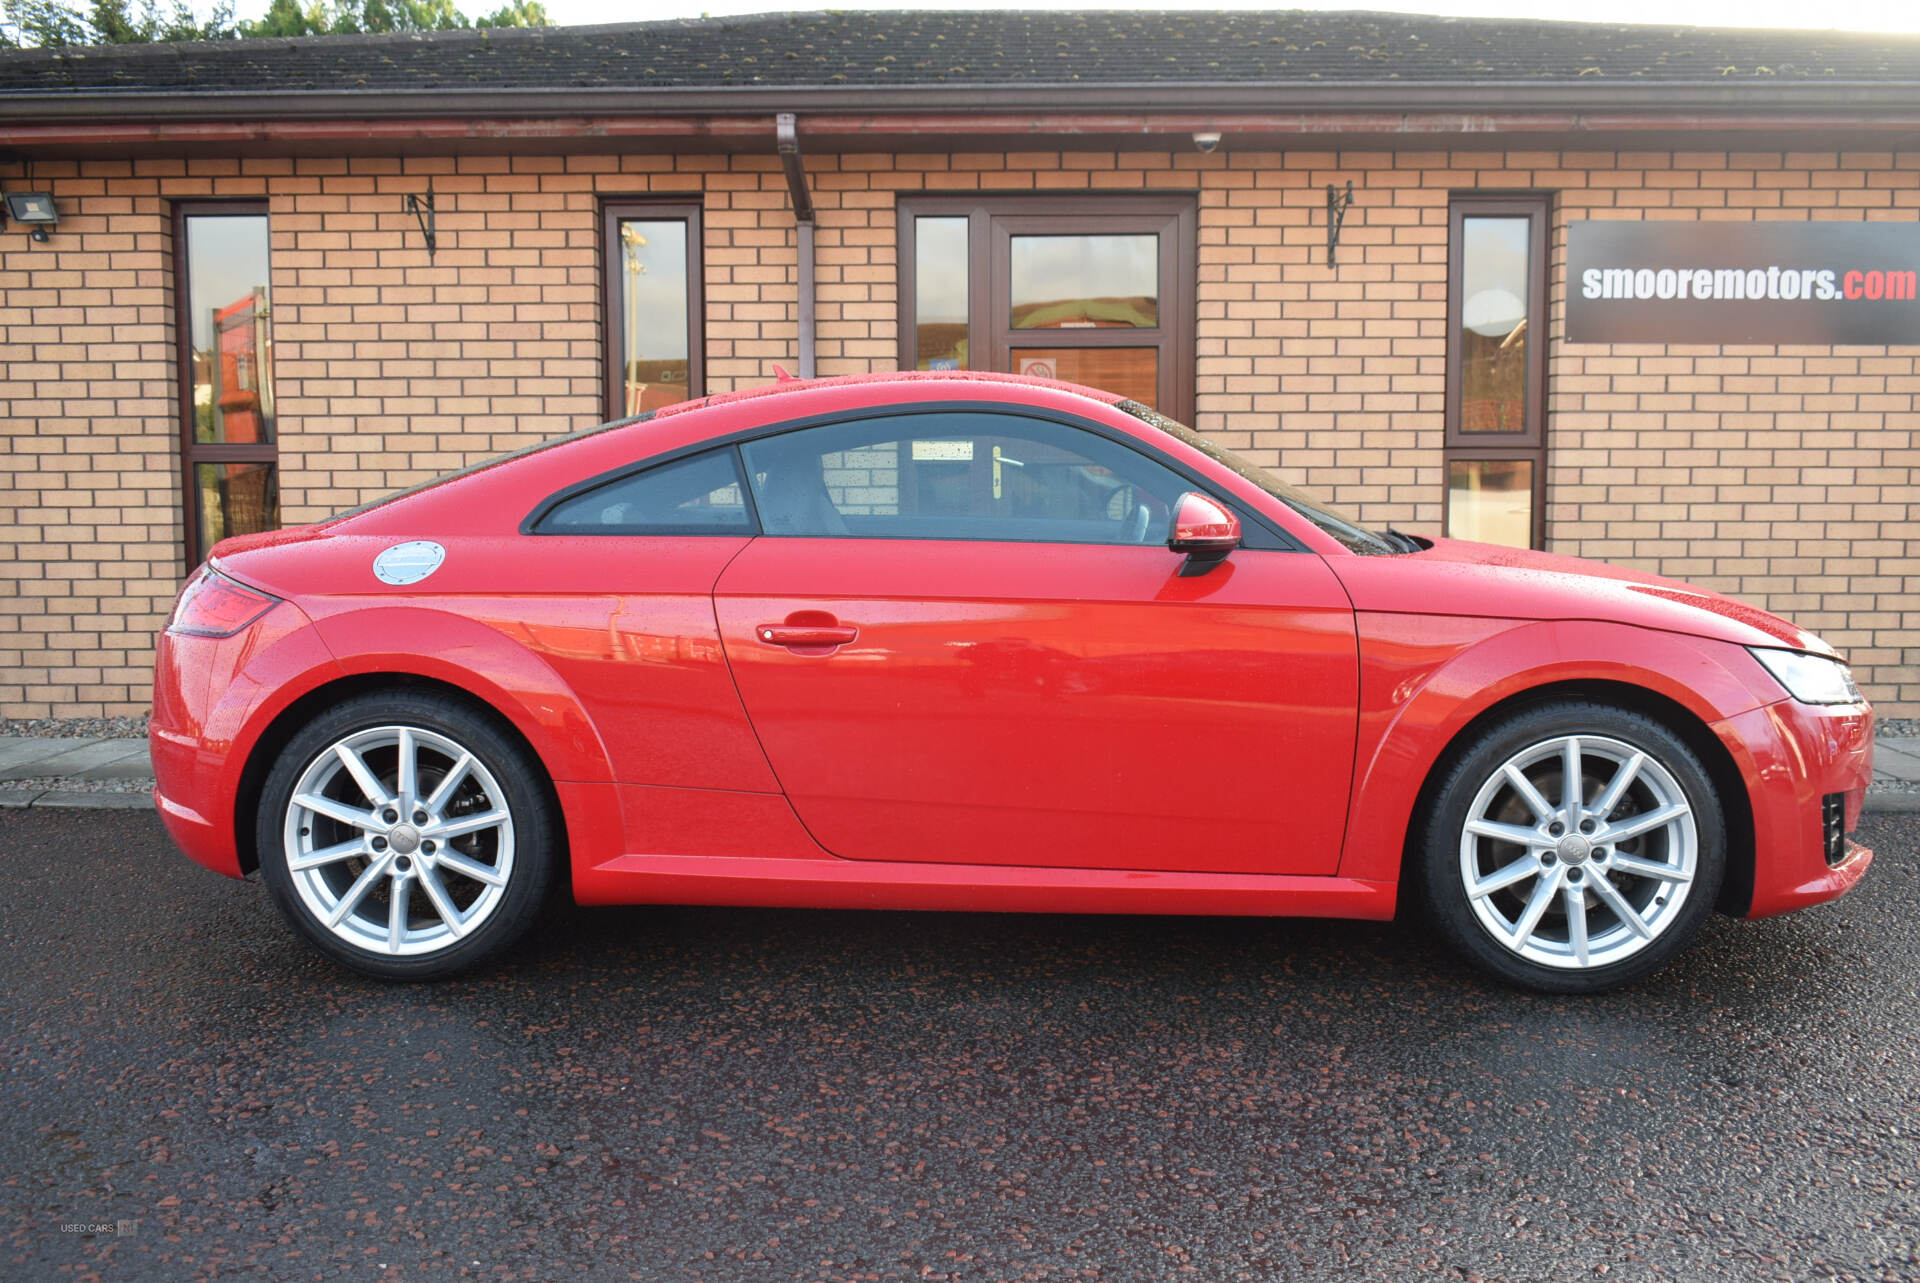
834	884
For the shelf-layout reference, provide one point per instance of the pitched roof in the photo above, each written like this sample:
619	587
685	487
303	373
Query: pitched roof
911	49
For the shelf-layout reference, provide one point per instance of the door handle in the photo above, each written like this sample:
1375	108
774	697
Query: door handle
806	634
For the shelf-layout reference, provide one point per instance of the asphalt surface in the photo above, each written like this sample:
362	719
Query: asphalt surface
748	1095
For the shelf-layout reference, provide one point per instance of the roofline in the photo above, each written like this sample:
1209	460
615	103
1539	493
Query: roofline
1753	97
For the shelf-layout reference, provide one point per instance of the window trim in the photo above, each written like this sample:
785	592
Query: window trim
1262	533
993	219
192	452
1499	447
613	211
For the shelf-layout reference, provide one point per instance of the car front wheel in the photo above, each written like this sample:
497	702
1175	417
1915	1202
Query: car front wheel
1573	847
406	837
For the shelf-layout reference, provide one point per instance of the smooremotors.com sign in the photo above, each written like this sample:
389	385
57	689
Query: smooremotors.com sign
1717	283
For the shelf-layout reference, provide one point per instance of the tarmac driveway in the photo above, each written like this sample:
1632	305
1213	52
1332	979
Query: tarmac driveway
727	1095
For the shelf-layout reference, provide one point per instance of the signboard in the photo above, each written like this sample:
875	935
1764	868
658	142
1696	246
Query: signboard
1714	283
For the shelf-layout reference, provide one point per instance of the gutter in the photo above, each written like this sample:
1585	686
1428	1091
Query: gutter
1749	96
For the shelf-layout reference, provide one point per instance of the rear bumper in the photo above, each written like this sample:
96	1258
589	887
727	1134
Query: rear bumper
1794	755
212	698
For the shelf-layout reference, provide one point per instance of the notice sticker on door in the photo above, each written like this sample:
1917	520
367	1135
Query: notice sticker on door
1038	366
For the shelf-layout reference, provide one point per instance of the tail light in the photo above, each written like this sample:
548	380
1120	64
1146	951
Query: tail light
212	605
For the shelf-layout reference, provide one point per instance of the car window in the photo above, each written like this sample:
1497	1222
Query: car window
697	495
960	475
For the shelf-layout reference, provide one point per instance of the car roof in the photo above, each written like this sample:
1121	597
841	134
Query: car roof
788	385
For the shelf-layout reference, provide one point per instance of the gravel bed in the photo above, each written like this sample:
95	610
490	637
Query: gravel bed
115	728
1898	728
67	784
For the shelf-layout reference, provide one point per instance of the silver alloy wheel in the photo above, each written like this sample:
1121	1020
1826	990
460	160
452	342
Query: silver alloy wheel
399	841
1578	852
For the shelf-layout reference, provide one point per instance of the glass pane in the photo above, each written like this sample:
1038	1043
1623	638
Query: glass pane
700	495
960	476
1493	325
1131	372
940	293
1491	501
1086	282
653	314
236	499
228	314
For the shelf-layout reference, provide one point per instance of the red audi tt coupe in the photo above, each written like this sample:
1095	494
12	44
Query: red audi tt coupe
980	642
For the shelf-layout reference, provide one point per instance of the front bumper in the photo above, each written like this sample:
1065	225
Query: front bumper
1794	756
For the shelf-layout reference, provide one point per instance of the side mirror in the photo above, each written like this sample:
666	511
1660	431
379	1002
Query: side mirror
1203	530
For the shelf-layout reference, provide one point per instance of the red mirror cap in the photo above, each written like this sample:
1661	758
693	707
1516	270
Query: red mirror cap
1200	524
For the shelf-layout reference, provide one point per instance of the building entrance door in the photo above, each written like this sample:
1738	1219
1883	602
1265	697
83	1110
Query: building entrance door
1093	290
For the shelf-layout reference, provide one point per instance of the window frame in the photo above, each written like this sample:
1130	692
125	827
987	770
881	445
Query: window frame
1529	445
615	210
994	219
193	452
1260	532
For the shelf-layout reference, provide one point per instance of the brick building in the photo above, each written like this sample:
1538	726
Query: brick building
238	319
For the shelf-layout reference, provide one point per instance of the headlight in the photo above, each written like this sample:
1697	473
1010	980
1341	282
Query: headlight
1811	679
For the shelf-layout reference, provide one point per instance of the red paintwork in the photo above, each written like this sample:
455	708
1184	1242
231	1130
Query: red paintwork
1007	704
850	722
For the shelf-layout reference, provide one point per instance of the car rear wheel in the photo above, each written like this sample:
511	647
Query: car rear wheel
406	836
1573	847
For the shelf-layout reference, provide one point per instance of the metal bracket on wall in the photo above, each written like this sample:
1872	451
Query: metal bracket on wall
1337	206
422	210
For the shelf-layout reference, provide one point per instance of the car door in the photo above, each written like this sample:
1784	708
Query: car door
962	639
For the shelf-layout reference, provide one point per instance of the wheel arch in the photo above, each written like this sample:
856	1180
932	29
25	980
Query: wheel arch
279	732
1736	888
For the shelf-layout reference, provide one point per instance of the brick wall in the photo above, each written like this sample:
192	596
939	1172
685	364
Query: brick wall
1784	475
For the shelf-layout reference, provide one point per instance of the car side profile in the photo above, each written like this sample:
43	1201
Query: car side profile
967	641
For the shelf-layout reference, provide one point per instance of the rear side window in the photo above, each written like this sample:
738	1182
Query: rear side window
700	495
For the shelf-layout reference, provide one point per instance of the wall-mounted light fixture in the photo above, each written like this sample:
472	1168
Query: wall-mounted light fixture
33	210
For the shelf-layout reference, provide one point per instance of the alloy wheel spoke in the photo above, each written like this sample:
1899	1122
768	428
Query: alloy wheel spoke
1633	826
1519	871
1639	868
449	783
1539	805
369	783
1621	909
1543	893
468	824
1618	785
1572	783
1513	833
471	869
397	912
442	902
327	855
1575	899
357	892
340	811
409	770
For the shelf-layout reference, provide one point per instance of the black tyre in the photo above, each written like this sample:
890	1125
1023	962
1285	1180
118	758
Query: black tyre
407	836
1572	890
